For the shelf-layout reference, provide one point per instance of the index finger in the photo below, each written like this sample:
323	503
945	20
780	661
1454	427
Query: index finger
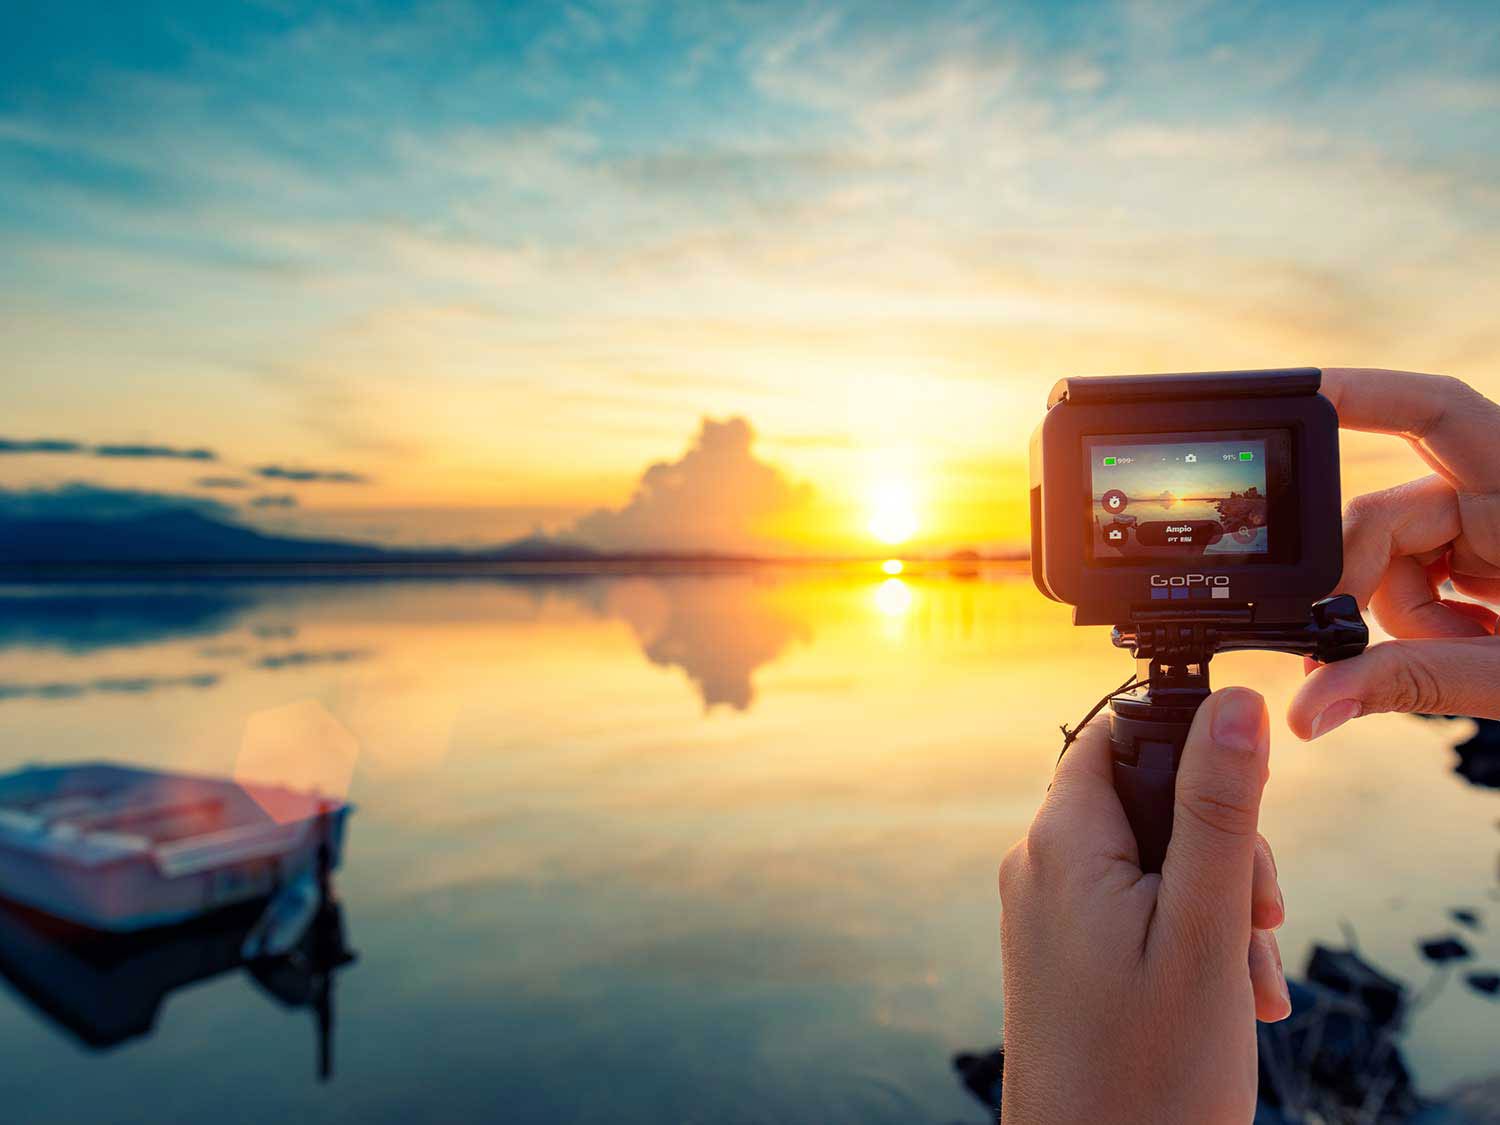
1449	423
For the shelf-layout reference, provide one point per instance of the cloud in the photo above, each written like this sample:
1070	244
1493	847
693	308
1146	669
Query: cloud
78	500
305	476
302	658
150	451
717	498
280	500
112	685
221	482
126	450
41	445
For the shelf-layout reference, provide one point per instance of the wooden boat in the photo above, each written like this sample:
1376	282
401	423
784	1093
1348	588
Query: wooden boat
119	849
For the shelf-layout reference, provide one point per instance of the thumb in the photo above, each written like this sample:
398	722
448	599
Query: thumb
1451	676
1205	880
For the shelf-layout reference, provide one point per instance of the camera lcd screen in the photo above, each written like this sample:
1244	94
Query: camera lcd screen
1184	498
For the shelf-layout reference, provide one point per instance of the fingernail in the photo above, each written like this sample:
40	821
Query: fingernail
1333	716
1281	975
1237	722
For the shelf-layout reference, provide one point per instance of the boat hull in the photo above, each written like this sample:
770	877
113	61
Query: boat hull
119	850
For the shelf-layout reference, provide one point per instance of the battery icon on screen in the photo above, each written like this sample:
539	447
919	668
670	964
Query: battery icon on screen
1247	457
1111	460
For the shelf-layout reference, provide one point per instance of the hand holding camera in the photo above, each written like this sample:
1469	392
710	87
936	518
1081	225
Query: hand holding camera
1400	547
1125	988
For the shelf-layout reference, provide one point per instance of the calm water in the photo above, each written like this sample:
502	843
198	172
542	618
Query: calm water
716	848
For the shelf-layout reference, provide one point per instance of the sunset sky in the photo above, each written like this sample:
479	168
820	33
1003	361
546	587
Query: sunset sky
449	272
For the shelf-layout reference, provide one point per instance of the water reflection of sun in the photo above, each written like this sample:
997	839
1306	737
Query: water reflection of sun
893	597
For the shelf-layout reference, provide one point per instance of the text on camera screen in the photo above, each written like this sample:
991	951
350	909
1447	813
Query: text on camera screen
1178	499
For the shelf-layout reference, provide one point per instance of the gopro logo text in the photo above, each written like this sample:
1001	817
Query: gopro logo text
1176	586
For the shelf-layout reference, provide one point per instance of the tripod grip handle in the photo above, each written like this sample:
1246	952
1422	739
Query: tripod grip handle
1146	755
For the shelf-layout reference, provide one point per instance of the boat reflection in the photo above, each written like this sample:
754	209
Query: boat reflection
106	989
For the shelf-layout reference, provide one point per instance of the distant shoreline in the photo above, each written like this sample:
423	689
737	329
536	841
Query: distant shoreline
313	570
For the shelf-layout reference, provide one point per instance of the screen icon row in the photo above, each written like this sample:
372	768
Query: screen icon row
1190	459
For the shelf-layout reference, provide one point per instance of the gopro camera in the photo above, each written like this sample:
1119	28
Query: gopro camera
1187	492
1195	513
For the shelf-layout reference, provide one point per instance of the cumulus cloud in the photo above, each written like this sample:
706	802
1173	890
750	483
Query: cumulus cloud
280	500
717	498
305	476
128	450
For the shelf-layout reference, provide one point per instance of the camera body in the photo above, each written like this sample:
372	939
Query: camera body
1197	514
1211	495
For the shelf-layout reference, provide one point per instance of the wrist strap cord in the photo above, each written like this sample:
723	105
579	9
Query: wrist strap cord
1070	734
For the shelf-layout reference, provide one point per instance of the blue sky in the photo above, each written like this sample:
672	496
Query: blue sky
498	258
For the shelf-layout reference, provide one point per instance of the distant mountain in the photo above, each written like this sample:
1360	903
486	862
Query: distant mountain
98	529
188	536
536	548
167	536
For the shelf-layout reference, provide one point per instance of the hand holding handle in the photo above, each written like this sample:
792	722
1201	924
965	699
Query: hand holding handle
1146	754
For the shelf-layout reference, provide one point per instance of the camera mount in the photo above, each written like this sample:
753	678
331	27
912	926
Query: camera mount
1149	725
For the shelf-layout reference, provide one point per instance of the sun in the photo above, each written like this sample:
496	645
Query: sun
893	512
